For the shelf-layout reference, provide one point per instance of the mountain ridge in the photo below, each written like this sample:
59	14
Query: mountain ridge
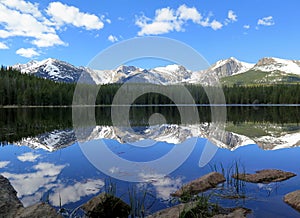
61	71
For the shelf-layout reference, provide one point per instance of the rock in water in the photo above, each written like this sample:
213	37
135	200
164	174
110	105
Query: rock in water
293	199
9	203
11	207
37	211
201	184
105	205
265	176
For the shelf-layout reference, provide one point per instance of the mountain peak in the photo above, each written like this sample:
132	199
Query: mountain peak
126	69
61	71
230	66
272	64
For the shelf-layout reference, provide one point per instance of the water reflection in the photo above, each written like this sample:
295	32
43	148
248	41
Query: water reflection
43	160
32	185
64	194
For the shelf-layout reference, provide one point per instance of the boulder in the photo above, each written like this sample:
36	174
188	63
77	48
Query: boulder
9	203
201	184
239	212
105	205
171	212
11	206
265	176
37	210
293	199
175	211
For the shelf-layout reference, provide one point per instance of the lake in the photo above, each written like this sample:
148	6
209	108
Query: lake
47	157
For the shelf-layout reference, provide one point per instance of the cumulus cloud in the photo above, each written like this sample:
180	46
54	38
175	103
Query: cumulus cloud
23	6
266	21
112	38
20	18
62	14
26	24
27	52
3	46
215	25
246	26
28	157
232	16
186	13
4	164
167	20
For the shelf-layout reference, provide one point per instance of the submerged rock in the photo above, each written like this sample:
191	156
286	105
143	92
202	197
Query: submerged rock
293	199
11	206
105	205
201	184
265	176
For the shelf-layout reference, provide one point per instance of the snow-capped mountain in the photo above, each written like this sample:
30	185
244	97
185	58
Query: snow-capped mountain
53	69
229	67
277	64
172	74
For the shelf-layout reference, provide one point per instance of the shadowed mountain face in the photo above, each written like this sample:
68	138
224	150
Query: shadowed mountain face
266	70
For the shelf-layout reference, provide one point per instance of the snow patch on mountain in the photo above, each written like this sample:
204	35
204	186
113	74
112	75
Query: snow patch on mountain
171	74
229	67
277	64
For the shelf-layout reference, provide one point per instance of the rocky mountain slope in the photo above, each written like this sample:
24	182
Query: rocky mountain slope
230	71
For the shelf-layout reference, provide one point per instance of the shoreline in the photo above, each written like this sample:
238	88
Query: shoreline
152	105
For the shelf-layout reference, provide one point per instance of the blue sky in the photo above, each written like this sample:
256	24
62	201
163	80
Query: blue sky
75	31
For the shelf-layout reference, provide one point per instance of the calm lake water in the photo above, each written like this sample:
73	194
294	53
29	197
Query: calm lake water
44	160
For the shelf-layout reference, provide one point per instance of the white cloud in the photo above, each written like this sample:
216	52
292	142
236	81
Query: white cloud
62	14
232	16
215	25
246	26
21	18
112	38
75	192
186	13
27	52
3	46
154	28
23	6
24	24
28	157
48	40
266	21
29	184
167	20
4	164
164	186
165	14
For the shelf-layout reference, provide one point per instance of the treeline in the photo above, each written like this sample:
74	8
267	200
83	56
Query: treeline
23	89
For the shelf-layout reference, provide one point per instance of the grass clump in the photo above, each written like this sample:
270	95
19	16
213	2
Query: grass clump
200	207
